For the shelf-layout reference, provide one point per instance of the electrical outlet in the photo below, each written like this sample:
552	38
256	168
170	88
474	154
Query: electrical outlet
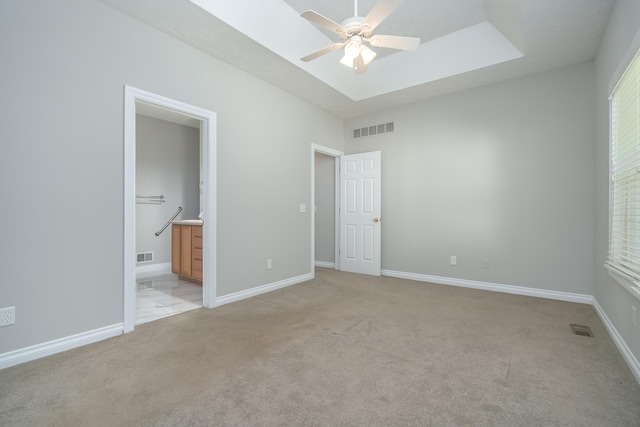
7	316
269	264
454	260
634	316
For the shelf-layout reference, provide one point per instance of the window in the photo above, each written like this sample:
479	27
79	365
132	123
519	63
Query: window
624	207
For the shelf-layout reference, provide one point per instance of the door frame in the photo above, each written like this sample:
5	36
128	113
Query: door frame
208	165
315	148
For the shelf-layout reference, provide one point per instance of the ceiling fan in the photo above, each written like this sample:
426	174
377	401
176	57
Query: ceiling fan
356	31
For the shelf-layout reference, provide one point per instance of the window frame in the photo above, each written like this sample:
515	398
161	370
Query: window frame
623	278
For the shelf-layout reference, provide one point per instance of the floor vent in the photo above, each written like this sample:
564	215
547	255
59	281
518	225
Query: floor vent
373	130
144	257
144	285
581	330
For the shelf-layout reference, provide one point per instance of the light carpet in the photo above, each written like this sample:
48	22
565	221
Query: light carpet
342	349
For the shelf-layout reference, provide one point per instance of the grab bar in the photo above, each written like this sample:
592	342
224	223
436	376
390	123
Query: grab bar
150	200
169	222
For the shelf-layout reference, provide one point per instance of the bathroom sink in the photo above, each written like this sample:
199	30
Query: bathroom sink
188	222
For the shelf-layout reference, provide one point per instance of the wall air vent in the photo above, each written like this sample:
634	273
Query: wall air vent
373	130
144	257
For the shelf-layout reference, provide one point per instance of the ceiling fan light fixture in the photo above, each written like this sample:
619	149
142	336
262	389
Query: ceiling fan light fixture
346	60
352	49
367	54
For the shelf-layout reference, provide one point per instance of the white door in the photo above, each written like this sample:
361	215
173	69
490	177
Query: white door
360	213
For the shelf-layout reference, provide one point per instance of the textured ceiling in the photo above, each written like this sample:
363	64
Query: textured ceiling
465	43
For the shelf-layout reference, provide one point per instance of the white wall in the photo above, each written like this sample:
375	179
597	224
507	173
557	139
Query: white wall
623	25
64	66
325	205
167	163
503	173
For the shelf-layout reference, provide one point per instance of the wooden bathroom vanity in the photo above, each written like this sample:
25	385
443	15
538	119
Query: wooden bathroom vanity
186	250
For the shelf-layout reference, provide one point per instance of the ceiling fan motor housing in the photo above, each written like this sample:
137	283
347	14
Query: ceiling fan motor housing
354	26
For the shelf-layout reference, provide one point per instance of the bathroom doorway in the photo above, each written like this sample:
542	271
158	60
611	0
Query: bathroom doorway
151	121
168	187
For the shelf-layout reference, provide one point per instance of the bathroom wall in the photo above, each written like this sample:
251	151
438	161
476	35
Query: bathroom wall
167	163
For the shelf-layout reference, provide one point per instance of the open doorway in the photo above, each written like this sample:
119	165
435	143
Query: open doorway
325	189
168	187
201	197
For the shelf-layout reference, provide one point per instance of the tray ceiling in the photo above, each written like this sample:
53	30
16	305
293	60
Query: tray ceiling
464	43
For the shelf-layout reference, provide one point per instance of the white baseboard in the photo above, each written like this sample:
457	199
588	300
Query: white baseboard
325	264
151	269
628	356
237	296
495	287
56	346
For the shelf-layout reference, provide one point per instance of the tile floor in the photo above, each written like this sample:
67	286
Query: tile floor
165	295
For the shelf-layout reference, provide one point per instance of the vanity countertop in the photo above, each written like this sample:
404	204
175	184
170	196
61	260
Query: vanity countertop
188	222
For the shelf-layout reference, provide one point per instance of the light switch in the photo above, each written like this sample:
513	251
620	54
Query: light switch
303	208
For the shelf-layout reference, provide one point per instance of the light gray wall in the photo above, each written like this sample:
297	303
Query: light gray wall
503	172
167	163
623	25
61	170
325	205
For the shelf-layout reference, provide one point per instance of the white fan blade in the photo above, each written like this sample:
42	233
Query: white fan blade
379	12
359	65
321	52
325	22
395	42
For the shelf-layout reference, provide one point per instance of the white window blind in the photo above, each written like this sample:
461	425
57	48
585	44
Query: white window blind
624	209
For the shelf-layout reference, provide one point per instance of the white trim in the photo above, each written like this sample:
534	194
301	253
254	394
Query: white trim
628	356
153	269
315	148
208	135
336	219
129	299
248	293
57	346
326	150
495	287
325	264
209	163
623	280
631	53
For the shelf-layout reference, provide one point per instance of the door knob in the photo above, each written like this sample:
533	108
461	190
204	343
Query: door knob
376	219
